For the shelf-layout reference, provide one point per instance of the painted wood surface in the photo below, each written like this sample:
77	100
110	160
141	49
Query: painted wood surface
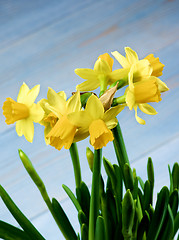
42	42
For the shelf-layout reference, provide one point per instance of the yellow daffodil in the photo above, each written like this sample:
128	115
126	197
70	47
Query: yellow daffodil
94	121
140	93
24	112
101	76
145	67
63	131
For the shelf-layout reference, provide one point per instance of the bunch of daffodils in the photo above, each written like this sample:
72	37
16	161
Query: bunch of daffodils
104	213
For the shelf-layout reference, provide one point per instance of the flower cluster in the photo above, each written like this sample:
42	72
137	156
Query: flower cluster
84	114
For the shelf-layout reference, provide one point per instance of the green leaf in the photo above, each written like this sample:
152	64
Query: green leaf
9	232
110	172
171	179
128	213
175	175
150	171
84	232
19	216
85	199
65	225
72	197
176	224
173	201
128	175
159	214
143	226
100	229
147	195
141	182
168	226
82	218
135	190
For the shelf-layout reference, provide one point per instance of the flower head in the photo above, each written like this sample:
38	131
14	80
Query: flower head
62	132
24	112
101	76
94	121
140	93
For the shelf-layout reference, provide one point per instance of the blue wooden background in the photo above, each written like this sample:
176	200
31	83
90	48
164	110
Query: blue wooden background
43	42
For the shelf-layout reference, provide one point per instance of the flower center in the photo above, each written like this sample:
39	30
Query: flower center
14	111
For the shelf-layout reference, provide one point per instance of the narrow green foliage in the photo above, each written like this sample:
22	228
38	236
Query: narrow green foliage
9	232
85	198
90	158
150	172
128	213
100	229
19	216
82	218
175	176
106	216
128	175
159	214
173	202
84	232
72	197
147	195
65	225
141	182
171	179
176	224
135	190
143	227
110	172
167	229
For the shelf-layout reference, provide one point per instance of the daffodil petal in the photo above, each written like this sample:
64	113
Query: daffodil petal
19	128
112	112
32	95
161	85
36	112
74	104
108	59
86	73
80	119
119	74
62	94
81	134
121	59
94	107
27	129
102	67
22	93
111	123
88	85
146	108
56	101
131	55
130	99
138	119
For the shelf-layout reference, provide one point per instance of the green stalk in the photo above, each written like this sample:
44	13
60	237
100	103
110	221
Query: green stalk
76	164
39	183
94	201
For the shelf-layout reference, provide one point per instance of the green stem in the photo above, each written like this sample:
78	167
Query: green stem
76	164
119	100
94	201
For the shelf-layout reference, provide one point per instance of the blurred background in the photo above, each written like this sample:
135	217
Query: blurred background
42	42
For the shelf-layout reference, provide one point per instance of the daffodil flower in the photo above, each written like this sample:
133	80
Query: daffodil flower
63	131
101	76
24	112
94	121
140	93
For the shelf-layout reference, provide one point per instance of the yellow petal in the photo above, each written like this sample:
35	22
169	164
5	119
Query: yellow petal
146	108
111	123
131	55
88	85
119	74
80	119
121	59
32	95
100	135
101	67
58	143
108	59
62	94
94	107
112	112
22	93
74	104
86	73
161	85
138	119
27	129
141	69
56	101
81	134
36	112
156	65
